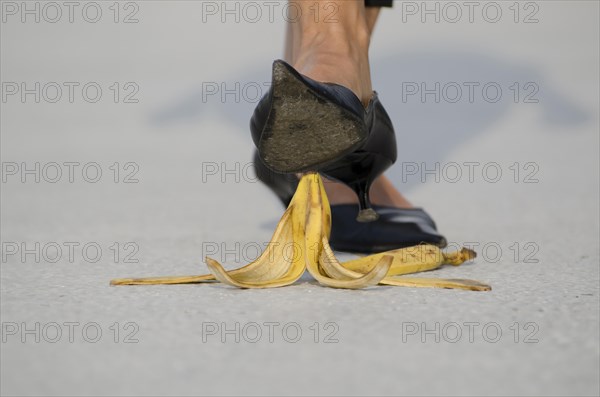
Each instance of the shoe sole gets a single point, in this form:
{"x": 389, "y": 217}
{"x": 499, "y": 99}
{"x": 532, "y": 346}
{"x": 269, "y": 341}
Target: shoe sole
{"x": 305, "y": 131}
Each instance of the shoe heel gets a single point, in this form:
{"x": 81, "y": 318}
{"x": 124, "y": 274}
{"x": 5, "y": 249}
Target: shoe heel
{"x": 358, "y": 171}
{"x": 365, "y": 212}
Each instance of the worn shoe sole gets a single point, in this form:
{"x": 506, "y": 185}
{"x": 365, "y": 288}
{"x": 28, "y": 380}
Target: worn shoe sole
{"x": 304, "y": 130}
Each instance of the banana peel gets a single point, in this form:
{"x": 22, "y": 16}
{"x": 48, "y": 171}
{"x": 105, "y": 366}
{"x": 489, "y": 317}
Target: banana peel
{"x": 305, "y": 227}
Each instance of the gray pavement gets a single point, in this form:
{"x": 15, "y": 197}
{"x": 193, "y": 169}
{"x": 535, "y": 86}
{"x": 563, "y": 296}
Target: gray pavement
{"x": 509, "y": 166}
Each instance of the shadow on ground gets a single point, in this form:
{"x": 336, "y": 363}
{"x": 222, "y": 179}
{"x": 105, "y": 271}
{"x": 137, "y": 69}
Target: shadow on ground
{"x": 473, "y": 92}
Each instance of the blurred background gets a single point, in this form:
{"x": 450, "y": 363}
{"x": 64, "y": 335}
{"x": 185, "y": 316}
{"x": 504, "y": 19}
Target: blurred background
{"x": 126, "y": 152}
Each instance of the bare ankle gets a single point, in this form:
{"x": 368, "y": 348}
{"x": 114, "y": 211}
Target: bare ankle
{"x": 335, "y": 60}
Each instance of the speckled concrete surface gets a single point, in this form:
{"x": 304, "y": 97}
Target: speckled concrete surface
{"x": 535, "y": 225}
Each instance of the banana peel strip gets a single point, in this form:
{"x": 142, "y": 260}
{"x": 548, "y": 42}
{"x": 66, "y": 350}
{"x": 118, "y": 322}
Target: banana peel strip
{"x": 313, "y": 237}
{"x": 337, "y": 270}
{"x": 305, "y": 227}
{"x": 253, "y": 268}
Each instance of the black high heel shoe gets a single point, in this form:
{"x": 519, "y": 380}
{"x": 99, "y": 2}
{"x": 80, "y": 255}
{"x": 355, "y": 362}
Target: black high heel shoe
{"x": 302, "y": 124}
{"x": 395, "y": 228}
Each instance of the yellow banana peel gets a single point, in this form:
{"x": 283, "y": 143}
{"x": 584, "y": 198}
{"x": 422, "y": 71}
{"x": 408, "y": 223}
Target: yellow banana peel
{"x": 305, "y": 227}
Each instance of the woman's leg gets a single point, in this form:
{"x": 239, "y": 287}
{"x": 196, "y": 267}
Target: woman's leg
{"x": 372, "y": 14}
{"x": 329, "y": 42}
{"x": 338, "y": 52}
